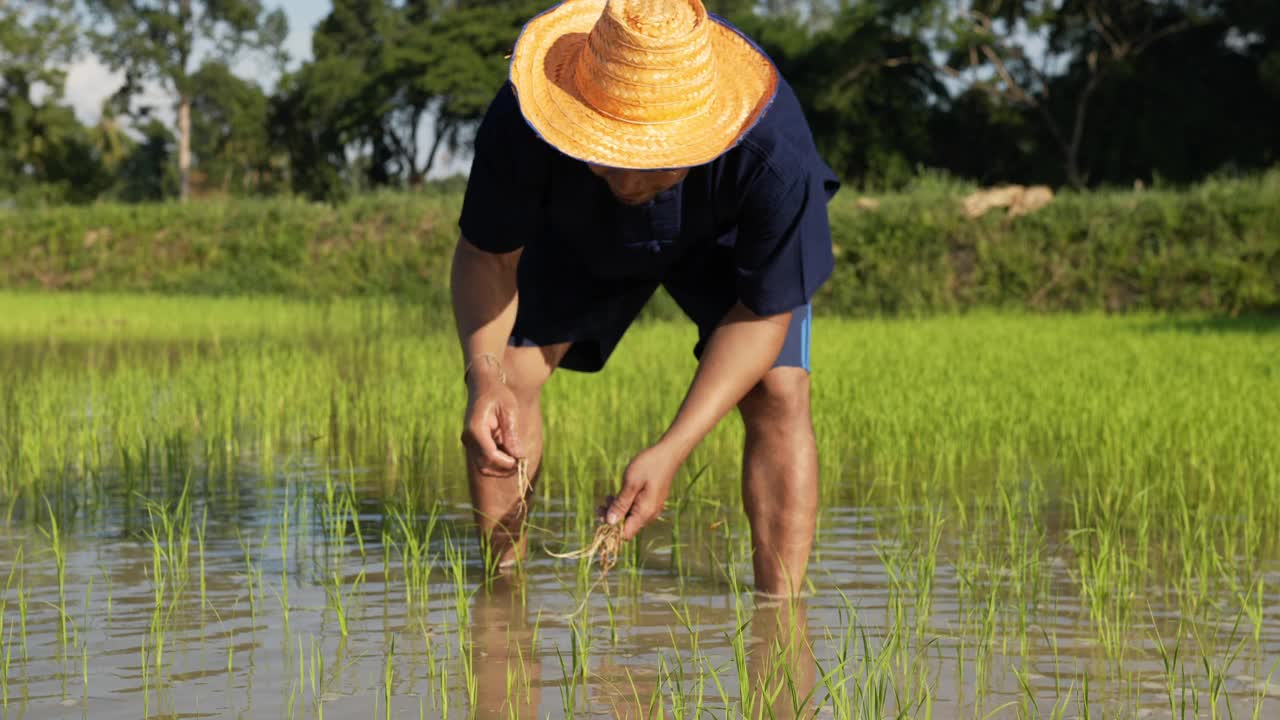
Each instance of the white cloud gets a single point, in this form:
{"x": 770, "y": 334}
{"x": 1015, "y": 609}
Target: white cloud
{"x": 89, "y": 82}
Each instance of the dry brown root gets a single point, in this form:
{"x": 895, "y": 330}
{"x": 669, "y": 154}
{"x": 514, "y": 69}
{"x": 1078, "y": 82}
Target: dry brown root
{"x": 604, "y": 546}
{"x": 524, "y": 484}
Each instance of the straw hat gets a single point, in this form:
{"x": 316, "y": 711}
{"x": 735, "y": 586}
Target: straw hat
{"x": 639, "y": 84}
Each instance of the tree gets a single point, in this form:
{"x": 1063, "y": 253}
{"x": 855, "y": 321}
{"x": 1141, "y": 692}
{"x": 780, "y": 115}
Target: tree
{"x": 1014, "y": 49}
{"x": 37, "y": 39}
{"x": 231, "y": 141}
{"x": 147, "y": 172}
{"x": 337, "y": 100}
{"x": 978, "y": 136}
{"x": 381, "y": 77}
{"x": 1257, "y": 24}
{"x": 312, "y": 131}
{"x": 451, "y": 66}
{"x": 157, "y": 41}
{"x": 45, "y": 153}
{"x": 864, "y": 81}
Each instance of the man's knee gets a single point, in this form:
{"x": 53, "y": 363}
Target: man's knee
{"x": 779, "y": 402}
{"x": 527, "y": 370}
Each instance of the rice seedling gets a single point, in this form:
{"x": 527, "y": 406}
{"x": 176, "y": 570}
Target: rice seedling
{"x": 340, "y": 603}
{"x": 60, "y": 564}
{"x": 145, "y": 666}
{"x": 316, "y": 678}
{"x": 6, "y": 628}
{"x": 415, "y": 558}
{"x": 6, "y": 663}
{"x": 456, "y": 562}
{"x": 283, "y": 535}
{"x": 603, "y": 547}
{"x": 568, "y": 688}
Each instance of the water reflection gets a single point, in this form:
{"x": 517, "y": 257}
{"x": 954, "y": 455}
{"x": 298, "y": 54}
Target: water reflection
{"x": 783, "y": 665}
{"x": 506, "y": 664}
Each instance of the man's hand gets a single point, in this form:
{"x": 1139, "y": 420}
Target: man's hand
{"x": 645, "y": 486}
{"x": 489, "y": 432}
{"x": 739, "y": 353}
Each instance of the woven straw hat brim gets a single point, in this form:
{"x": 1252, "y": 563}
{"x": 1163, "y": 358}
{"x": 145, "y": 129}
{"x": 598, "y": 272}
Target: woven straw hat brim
{"x": 543, "y": 66}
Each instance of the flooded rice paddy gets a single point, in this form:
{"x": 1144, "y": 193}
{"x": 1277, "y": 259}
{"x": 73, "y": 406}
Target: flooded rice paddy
{"x": 251, "y": 508}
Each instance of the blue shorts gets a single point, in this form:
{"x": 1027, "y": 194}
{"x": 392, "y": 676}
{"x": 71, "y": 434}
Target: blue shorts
{"x": 561, "y": 301}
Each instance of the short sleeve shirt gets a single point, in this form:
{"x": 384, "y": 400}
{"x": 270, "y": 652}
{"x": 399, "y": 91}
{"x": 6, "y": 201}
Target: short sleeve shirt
{"x": 766, "y": 198}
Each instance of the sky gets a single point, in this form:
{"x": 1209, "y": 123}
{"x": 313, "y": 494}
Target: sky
{"x": 89, "y": 82}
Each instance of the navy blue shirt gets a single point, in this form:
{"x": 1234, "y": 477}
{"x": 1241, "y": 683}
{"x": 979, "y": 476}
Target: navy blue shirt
{"x": 766, "y": 198}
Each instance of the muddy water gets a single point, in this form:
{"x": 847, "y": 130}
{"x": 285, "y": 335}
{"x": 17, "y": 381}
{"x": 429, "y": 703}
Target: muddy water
{"x": 253, "y": 628}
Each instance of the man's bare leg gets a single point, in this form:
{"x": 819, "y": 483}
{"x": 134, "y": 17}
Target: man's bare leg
{"x": 497, "y": 500}
{"x": 780, "y": 479}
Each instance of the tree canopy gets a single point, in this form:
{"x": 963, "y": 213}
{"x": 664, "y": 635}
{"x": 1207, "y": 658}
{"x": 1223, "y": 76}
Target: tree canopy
{"x": 1065, "y": 92}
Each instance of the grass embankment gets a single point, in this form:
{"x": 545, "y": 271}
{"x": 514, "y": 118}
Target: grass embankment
{"x": 1137, "y": 453}
{"x": 1214, "y": 248}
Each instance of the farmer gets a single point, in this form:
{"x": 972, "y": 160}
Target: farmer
{"x": 642, "y": 143}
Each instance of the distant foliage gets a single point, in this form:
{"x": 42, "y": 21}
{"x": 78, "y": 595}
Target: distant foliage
{"x": 1072, "y": 93}
{"x": 1214, "y": 248}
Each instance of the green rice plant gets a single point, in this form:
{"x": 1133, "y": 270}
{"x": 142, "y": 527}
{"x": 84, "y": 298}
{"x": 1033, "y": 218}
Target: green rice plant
{"x": 693, "y": 696}
{"x": 252, "y": 574}
{"x": 517, "y": 683}
{"x": 84, "y": 641}
{"x": 677, "y": 546}
{"x": 6, "y": 628}
{"x": 1171, "y": 667}
{"x": 340, "y": 603}
{"x": 1109, "y": 583}
{"x": 24, "y": 597}
{"x": 200, "y": 535}
{"x": 60, "y": 563}
{"x": 671, "y": 667}
{"x": 316, "y": 678}
{"x": 169, "y": 534}
{"x": 456, "y": 562}
{"x": 414, "y": 544}
{"x": 580, "y": 647}
{"x": 296, "y": 683}
{"x": 7, "y": 662}
{"x": 146, "y": 678}
{"x": 1262, "y": 686}
{"x": 388, "y": 677}
{"x": 1216, "y": 664}
{"x": 835, "y": 680}
{"x": 568, "y": 688}
{"x": 283, "y": 535}
{"x": 444, "y": 691}
{"x": 738, "y": 643}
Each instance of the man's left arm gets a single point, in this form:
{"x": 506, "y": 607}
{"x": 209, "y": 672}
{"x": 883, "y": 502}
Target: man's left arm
{"x": 782, "y": 254}
{"x": 738, "y": 354}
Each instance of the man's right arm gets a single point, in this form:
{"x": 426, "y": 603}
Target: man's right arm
{"x": 484, "y": 301}
{"x": 503, "y": 201}
{"x": 483, "y": 290}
